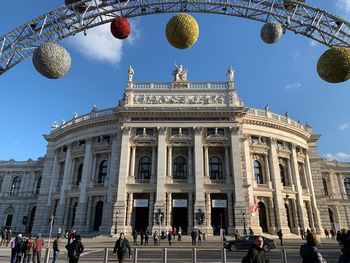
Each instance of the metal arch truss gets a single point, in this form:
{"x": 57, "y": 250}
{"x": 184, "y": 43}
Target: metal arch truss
{"x": 309, "y": 21}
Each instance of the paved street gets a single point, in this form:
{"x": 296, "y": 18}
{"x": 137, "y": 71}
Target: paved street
{"x": 182, "y": 252}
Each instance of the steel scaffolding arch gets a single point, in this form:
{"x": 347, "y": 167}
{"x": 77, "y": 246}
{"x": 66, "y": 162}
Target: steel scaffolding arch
{"x": 66, "y": 21}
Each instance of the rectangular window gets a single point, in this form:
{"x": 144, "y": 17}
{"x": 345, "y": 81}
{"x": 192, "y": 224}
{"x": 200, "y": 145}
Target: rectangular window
{"x": 148, "y": 131}
{"x": 177, "y": 131}
{"x": 218, "y": 131}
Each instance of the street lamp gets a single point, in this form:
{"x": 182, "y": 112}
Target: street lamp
{"x": 244, "y": 225}
{"x": 116, "y": 222}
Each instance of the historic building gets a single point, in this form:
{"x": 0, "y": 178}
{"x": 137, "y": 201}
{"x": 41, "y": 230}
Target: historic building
{"x": 180, "y": 153}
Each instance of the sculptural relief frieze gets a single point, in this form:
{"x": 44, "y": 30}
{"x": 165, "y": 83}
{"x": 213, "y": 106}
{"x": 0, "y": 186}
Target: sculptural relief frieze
{"x": 179, "y": 99}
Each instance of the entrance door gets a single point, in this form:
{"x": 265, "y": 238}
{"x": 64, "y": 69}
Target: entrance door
{"x": 179, "y": 215}
{"x": 9, "y": 220}
{"x": 98, "y": 215}
{"x": 262, "y": 217}
{"x": 218, "y": 219}
{"x": 141, "y": 218}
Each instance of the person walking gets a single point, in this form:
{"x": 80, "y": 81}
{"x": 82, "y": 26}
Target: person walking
{"x": 179, "y": 233}
{"x": 3, "y": 236}
{"x": 121, "y": 247}
{"x": 170, "y": 237}
{"x": 280, "y": 236}
{"x": 134, "y": 237}
{"x": 38, "y": 246}
{"x": 56, "y": 248}
{"x": 256, "y": 253}
{"x": 74, "y": 249}
{"x": 28, "y": 250}
{"x": 142, "y": 236}
{"x": 194, "y": 237}
{"x": 146, "y": 238}
{"x": 200, "y": 235}
{"x": 326, "y": 232}
{"x": 309, "y": 252}
{"x": 8, "y": 236}
{"x": 345, "y": 248}
{"x": 16, "y": 249}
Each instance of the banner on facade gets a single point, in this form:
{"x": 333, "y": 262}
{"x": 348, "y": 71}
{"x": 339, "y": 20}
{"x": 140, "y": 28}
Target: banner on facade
{"x": 179, "y": 202}
{"x": 140, "y": 202}
{"x": 219, "y": 203}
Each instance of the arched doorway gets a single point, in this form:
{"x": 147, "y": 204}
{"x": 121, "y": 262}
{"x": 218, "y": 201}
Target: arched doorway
{"x": 73, "y": 211}
{"x": 98, "y": 215}
{"x": 331, "y": 217}
{"x": 262, "y": 217}
{"x": 31, "y": 220}
{"x": 289, "y": 216}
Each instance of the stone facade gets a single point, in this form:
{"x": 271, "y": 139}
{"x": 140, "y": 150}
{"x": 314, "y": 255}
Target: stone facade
{"x": 177, "y": 154}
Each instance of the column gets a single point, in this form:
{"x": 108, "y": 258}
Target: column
{"x": 60, "y": 215}
{"x": 161, "y": 171}
{"x": 199, "y": 178}
{"x": 315, "y": 211}
{"x": 129, "y": 210}
{"x": 88, "y": 215}
{"x": 190, "y": 212}
{"x": 206, "y": 161}
{"x": 189, "y": 167}
{"x": 341, "y": 185}
{"x": 227, "y": 165}
{"x": 168, "y": 209}
{"x": 267, "y": 171}
{"x": 290, "y": 175}
{"x": 298, "y": 187}
{"x": 150, "y": 210}
{"x": 272, "y": 215}
{"x": 170, "y": 160}
{"x": 230, "y": 214}
{"x": 281, "y": 217}
{"x": 82, "y": 205}
{"x": 132, "y": 162}
{"x": 154, "y": 160}
{"x": 208, "y": 204}
{"x": 332, "y": 192}
{"x": 93, "y": 179}
{"x": 53, "y": 178}
{"x": 120, "y": 204}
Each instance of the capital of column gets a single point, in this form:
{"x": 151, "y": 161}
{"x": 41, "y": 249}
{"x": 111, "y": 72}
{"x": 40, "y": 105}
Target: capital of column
{"x": 161, "y": 130}
{"x": 126, "y": 130}
{"x": 234, "y": 130}
{"x": 198, "y": 130}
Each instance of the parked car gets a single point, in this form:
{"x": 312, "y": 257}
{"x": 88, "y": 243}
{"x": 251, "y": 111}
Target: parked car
{"x": 245, "y": 242}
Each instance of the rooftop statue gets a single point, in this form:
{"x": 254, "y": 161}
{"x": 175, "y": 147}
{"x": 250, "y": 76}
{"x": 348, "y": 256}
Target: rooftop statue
{"x": 130, "y": 74}
{"x": 179, "y": 73}
{"x": 230, "y": 73}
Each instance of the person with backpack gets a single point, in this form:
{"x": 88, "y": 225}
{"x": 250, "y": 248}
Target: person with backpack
{"x": 74, "y": 249}
{"x": 16, "y": 246}
{"x": 256, "y": 253}
{"x": 27, "y": 249}
{"x": 121, "y": 247}
{"x": 38, "y": 246}
{"x": 280, "y": 236}
{"x": 56, "y": 248}
{"x": 309, "y": 252}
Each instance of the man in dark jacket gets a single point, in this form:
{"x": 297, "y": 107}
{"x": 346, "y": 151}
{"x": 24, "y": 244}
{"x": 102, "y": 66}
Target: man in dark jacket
{"x": 256, "y": 253}
{"x": 309, "y": 252}
{"x": 345, "y": 257}
{"x": 121, "y": 247}
{"x": 74, "y": 249}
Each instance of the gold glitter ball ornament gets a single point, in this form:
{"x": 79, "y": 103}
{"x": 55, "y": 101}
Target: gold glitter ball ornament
{"x": 182, "y": 31}
{"x": 334, "y": 65}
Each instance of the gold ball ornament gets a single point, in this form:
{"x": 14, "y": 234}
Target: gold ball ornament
{"x": 334, "y": 65}
{"x": 182, "y": 31}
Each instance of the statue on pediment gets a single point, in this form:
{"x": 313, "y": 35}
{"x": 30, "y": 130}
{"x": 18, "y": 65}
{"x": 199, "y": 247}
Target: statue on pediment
{"x": 130, "y": 74}
{"x": 179, "y": 73}
{"x": 230, "y": 73}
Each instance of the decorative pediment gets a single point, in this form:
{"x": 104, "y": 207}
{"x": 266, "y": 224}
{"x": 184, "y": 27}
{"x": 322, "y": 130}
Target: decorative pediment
{"x": 283, "y": 152}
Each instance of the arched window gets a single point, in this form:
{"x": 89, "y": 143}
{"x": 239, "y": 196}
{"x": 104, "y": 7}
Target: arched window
{"x": 347, "y": 185}
{"x": 79, "y": 175}
{"x": 102, "y": 174}
{"x": 180, "y": 168}
{"x": 215, "y": 168}
{"x": 38, "y": 185}
{"x": 16, "y": 184}
{"x": 258, "y": 172}
{"x": 302, "y": 175}
{"x": 283, "y": 175}
{"x": 1, "y": 179}
{"x": 325, "y": 187}
{"x": 145, "y": 168}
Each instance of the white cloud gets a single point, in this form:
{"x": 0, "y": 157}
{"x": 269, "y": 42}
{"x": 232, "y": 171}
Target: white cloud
{"x": 340, "y": 156}
{"x": 343, "y": 126}
{"x": 100, "y": 45}
{"x": 313, "y": 43}
{"x": 343, "y": 5}
{"x": 295, "y": 54}
{"x": 293, "y": 86}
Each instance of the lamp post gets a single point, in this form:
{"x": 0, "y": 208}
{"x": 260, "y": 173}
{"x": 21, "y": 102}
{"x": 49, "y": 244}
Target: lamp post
{"x": 116, "y": 222}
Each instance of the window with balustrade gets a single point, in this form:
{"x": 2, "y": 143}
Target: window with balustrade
{"x": 258, "y": 174}
{"x": 16, "y": 184}
{"x": 215, "y": 168}
{"x": 102, "y": 172}
{"x": 347, "y": 186}
{"x": 145, "y": 168}
{"x": 38, "y": 185}
{"x": 179, "y": 131}
{"x": 283, "y": 173}
{"x": 217, "y": 131}
{"x": 180, "y": 168}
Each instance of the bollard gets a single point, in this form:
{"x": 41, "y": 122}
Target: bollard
{"x": 47, "y": 255}
{"x": 105, "y": 255}
{"x": 223, "y": 255}
{"x": 165, "y": 255}
{"x": 135, "y": 256}
{"x": 284, "y": 255}
{"x": 194, "y": 255}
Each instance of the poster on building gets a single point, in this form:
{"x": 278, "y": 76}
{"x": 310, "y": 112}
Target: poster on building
{"x": 179, "y": 202}
{"x": 219, "y": 203}
{"x": 140, "y": 202}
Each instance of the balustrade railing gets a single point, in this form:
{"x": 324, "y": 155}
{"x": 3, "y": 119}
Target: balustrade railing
{"x": 20, "y": 194}
{"x": 169, "y": 85}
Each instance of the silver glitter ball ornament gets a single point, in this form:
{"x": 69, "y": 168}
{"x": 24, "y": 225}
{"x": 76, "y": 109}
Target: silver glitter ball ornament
{"x": 271, "y": 32}
{"x": 51, "y": 60}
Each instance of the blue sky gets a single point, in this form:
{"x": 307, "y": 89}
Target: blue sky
{"x": 282, "y": 75}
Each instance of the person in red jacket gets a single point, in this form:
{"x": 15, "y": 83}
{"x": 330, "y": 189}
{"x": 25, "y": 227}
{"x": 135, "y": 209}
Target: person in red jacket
{"x": 38, "y": 247}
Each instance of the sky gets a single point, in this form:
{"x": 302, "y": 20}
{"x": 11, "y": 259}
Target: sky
{"x": 282, "y": 75}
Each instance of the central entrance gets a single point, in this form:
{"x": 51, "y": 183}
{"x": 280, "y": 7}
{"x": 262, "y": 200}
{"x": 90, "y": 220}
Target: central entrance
{"x": 141, "y": 212}
{"x": 218, "y": 213}
{"x": 180, "y": 212}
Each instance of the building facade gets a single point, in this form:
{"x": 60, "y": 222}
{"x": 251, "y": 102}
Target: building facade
{"x": 179, "y": 153}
